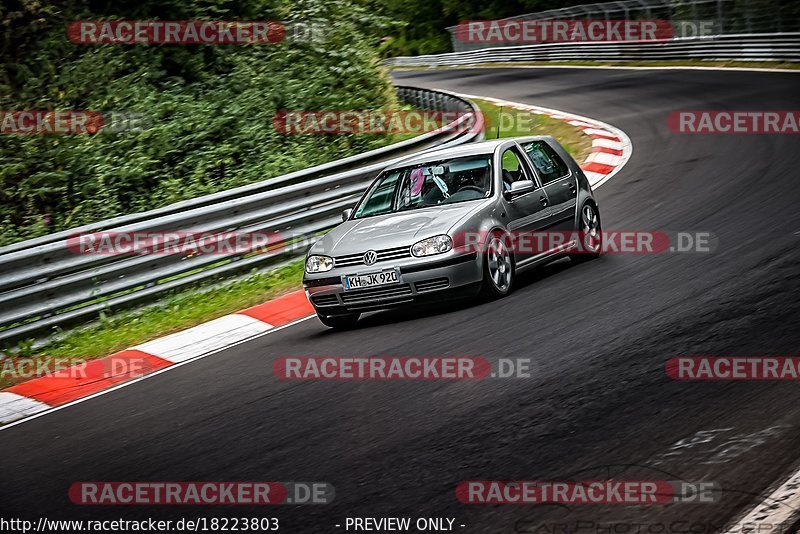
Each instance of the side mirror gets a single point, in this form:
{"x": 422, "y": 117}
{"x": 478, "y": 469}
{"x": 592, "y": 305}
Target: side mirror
{"x": 346, "y": 214}
{"x": 519, "y": 187}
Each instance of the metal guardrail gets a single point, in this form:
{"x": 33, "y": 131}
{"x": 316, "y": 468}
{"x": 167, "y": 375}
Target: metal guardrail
{"x": 44, "y": 283}
{"x": 721, "y": 17}
{"x": 750, "y": 47}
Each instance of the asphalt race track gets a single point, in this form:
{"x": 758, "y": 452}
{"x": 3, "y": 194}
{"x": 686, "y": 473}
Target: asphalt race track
{"x": 598, "y": 403}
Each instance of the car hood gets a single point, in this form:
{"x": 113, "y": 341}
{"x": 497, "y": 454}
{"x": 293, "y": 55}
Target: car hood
{"x": 391, "y": 230}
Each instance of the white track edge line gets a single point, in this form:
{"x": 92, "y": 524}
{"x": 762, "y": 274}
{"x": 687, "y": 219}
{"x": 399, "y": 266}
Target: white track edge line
{"x": 783, "y": 503}
{"x": 627, "y": 150}
{"x": 781, "y": 506}
{"x": 755, "y": 513}
{"x": 150, "y": 375}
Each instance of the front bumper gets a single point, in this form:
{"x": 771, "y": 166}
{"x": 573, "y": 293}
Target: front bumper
{"x": 430, "y": 278}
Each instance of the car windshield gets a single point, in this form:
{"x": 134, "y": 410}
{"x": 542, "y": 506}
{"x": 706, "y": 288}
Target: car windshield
{"x": 430, "y": 184}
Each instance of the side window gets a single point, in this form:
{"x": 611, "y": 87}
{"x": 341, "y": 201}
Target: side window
{"x": 512, "y": 169}
{"x": 548, "y": 163}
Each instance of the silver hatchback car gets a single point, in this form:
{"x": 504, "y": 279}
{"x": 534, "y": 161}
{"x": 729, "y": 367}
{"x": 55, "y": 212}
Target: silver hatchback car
{"x": 463, "y": 220}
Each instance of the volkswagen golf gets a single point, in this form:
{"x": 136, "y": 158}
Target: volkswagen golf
{"x": 465, "y": 219}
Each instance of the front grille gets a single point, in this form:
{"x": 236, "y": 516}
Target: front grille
{"x": 383, "y": 255}
{"x": 325, "y": 300}
{"x": 378, "y": 293}
{"x": 432, "y": 285}
{"x": 322, "y": 282}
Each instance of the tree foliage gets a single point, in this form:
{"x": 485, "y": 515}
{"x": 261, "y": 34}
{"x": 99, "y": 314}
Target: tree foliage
{"x": 208, "y": 108}
{"x": 420, "y": 24}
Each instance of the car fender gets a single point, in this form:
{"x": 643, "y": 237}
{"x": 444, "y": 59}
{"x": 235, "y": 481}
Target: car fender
{"x": 482, "y": 230}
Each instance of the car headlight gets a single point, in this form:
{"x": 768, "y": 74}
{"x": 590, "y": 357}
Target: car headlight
{"x": 438, "y": 244}
{"x": 319, "y": 264}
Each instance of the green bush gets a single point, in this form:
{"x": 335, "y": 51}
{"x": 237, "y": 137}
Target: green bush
{"x": 209, "y": 108}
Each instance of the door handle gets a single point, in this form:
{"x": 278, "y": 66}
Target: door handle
{"x": 571, "y": 186}
{"x": 543, "y": 200}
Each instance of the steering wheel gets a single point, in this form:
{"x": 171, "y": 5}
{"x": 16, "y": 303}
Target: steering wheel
{"x": 475, "y": 188}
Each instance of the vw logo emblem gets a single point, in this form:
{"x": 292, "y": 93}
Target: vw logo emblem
{"x": 370, "y": 257}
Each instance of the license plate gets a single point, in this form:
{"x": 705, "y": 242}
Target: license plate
{"x": 370, "y": 280}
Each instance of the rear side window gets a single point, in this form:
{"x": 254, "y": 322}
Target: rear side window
{"x": 548, "y": 163}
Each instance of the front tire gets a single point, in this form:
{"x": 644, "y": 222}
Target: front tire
{"x": 498, "y": 268}
{"x": 339, "y": 322}
{"x": 590, "y": 233}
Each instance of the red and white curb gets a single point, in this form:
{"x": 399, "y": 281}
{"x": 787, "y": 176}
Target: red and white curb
{"x": 44, "y": 393}
{"x": 611, "y": 148}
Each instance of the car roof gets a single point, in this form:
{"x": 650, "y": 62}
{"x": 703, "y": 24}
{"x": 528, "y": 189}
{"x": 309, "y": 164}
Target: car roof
{"x": 469, "y": 149}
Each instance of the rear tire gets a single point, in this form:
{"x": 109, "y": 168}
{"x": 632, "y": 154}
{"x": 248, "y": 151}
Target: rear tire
{"x": 498, "y": 268}
{"x": 591, "y": 234}
{"x": 339, "y": 322}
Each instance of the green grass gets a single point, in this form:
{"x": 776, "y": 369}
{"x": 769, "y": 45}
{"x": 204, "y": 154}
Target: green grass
{"x": 181, "y": 310}
{"x": 518, "y": 123}
{"x": 187, "y": 308}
